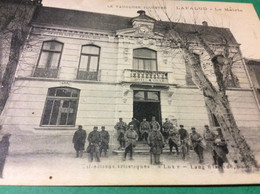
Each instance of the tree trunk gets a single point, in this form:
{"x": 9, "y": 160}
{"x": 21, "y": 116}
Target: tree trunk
{"x": 17, "y": 41}
{"x": 218, "y": 104}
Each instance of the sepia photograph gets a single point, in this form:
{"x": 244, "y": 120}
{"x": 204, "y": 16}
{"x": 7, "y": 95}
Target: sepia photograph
{"x": 136, "y": 92}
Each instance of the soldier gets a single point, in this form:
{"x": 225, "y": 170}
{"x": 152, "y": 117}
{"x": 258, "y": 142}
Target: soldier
{"x": 104, "y": 140}
{"x": 184, "y": 138}
{"x": 121, "y": 128}
{"x": 78, "y": 140}
{"x": 136, "y": 124}
{"x": 167, "y": 126}
{"x": 155, "y": 141}
{"x": 196, "y": 140}
{"x": 220, "y": 150}
{"x": 174, "y": 140}
{"x": 209, "y": 136}
{"x": 130, "y": 137}
{"x": 154, "y": 124}
{"x": 144, "y": 129}
{"x": 4, "y": 147}
{"x": 94, "y": 140}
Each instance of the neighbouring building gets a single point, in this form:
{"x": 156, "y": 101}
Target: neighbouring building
{"x": 84, "y": 68}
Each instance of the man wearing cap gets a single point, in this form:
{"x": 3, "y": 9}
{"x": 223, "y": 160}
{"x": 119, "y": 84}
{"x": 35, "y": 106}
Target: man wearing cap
{"x": 121, "y": 128}
{"x": 196, "y": 141}
{"x": 104, "y": 135}
{"x": 144, "y": 129}
{"x": 209, "y": 136}
{"x": 174, "y": 140}
{"x": 166, "y": 127}
{"x": 130, "y": 137}
{"x": 220, "y": 150}
{"x": 154, "y": 124}
{"x": 4, "y": 147}
{"x": 78, "y": 140}
{"x": 94, "y": 140}
{"x": 184, "y": 138}
{"x": 136, "y": 124}
{"x": 156, "y": 143}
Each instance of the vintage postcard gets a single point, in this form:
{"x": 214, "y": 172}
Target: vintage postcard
{"x": 136, "y": 92}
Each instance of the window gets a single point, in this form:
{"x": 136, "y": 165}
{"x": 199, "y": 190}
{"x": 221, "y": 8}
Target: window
{"x": 49, "y": 60}
{"x": 60, "y": 107}
{"x": 145, "y": 59}
{"x": 89, "y": 62}
{"x": 151, "y": 96}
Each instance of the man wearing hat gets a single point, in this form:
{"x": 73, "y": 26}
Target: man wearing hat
{"x": 184, "y": 137}
{"x": 4, "y": 147}
{"x": 94, "y": 140}
{"x": 154, "y": 124}
{"x": 166, "y": 127}
{"x": 104, "y": 135}
{"x": 78, "y": 140}
{"x": 209, "y": 136}
{"x": 121, "y": 127}
{"x": 156, "y": 143}
{"x": 144, "y": 129}
{"x": 130, "y": 137}
{"x": 196, "y": 141}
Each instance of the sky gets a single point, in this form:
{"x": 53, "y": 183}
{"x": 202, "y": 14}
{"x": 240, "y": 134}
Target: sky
{"x": 240, "y": 18}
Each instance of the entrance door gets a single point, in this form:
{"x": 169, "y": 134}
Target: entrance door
{"x": 146, "y": 105}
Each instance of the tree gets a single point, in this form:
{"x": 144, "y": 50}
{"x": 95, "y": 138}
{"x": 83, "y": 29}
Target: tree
{"x": 215, "y": 96}
{"x": 15, "y": 17}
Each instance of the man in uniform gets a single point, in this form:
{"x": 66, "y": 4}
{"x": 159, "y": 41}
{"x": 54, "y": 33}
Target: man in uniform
{"x": 94, "y": 140}
{"x": 121, "y": 128}
{"x": 166, "y": 127}
{"x": 130, "y": 137}
{"x": 135, "y": 123}
{"x": 104, "y": 140}
{"x": 209, "y": 136}
{"x": 78, "y": 140}
{"x": 196, "y": 141}
{"x": 156, "y": 143}
{"x": 144, "y": 129}
{"x": 4, "y": 147}
{"x": 174, "y": 140}
{"x": 184, "y": 138}
{"x": 154, "y": 124}
{"x": 220, "y": 150}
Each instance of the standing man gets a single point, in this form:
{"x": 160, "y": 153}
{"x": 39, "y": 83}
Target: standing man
{"x": 155, "y": 141}
{"x": 130, "y": 137}
{"x": 78, "y": 140}
{"x": 4, "y": 148}
{"x": 220, "y": 150}
{"x": 144, "y": 129}
{"x": 209, "y": 136}
{"x": 184, "y": 138}
{"x": 104, "y": 135}
{"x": 154, "y": 124}
{"x": 196, "y": 140}
{"x": 173, "y": 140}
{"x": 166, "y": 127}
{"x": 94, "y": 140}
{"x": 121, "y": 128}
{"x": 135, "y": 123}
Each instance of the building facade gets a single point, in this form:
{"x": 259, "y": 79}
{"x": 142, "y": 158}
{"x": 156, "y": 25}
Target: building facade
{"x": 83, "y": 68}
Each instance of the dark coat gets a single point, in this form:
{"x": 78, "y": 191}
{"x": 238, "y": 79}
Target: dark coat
{"x": 79, "y": 139}
{"x": 155, "y": 140}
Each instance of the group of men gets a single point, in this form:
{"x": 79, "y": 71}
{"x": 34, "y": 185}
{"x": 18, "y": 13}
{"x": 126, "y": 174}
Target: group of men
{"x": 156, "y": 137}
{"x": 98, "y": 142}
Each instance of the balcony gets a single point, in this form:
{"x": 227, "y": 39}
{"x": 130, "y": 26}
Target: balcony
{"x": 143, "y": 76}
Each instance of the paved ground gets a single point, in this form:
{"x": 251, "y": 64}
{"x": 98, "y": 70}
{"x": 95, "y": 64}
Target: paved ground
{"x": 60, "y": 169}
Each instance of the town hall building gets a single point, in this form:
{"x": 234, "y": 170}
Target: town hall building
{"x": 90, "y": 69}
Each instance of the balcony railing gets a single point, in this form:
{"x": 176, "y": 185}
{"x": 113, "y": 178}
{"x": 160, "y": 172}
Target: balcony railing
{"x": 47, "y": 73}
{"x": 161, "y": 77}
